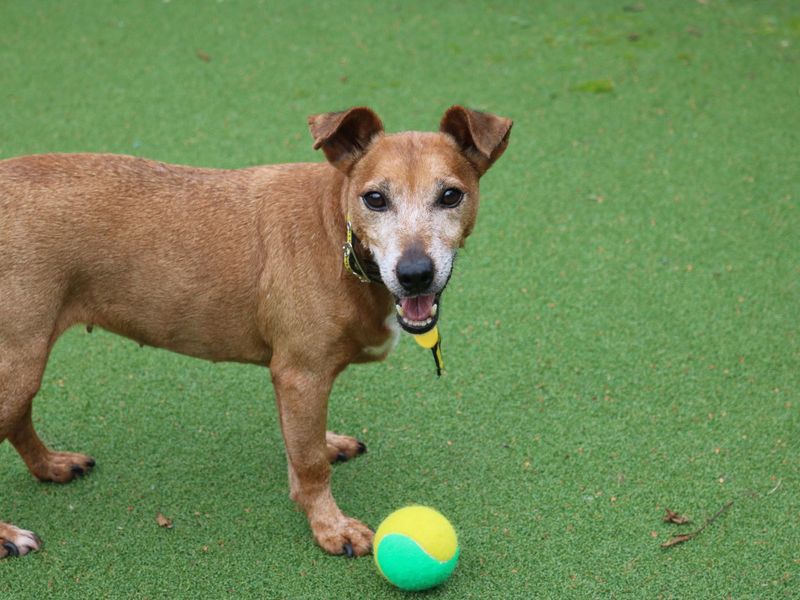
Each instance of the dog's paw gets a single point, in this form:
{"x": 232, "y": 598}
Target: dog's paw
{"x": 341, "y": 448}
{"x": 17, "y": 542}
{"x": 62, "y": 467}
{"x": 347, "y": 537}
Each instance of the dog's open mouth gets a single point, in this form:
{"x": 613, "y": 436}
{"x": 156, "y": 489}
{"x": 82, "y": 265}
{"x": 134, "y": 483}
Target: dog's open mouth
{"x": 417, "y": 314}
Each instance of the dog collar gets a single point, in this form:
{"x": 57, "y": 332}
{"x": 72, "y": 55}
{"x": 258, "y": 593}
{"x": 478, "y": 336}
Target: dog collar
{"x": 366, "y": 270}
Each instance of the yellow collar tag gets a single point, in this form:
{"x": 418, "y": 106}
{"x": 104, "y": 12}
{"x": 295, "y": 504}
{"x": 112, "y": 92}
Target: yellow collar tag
{"x": 433, "y": 341}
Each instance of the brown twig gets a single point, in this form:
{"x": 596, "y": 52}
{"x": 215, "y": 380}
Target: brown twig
{"x": 679, "y": 539}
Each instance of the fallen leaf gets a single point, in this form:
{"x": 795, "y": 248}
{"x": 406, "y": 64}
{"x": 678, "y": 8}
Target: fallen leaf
{"x": 163, "y": 521}
{"x": 673, "y": 517}
{"x": 678, "y": 539}
{"x": 203, "y": 55}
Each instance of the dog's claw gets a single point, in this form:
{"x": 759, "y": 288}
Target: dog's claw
{"x": 12, "y": 549}
{"x": 77, "y": 470}
{"x": 341, "y": 457}
{"x": 347, "y": 550}
{"x": 91, "y": 463}
{"x": 362, "y": 448}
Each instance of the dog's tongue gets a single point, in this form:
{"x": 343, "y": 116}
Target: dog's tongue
{"x": 417, "y": 308}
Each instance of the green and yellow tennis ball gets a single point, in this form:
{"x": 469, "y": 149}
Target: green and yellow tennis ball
{"x": 416, "y": 548}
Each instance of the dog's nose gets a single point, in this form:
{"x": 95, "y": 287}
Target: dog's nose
{"x": 415, "y": 271}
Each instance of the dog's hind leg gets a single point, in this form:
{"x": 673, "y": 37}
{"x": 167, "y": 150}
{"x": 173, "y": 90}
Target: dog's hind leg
{"x": 46, "y": 464}
{"x": 21, "y": 369}
{"x": 18, "y": 384}
{"x": 17, "y": 542}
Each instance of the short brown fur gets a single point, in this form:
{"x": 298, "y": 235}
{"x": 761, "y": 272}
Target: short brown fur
{"x": 227, "y": 265}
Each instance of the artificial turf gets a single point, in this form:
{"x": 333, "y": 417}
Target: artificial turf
{"x": 621, "y": 333}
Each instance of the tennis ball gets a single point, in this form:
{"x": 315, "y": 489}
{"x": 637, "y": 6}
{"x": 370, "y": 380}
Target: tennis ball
{"x": 416, "y": 548}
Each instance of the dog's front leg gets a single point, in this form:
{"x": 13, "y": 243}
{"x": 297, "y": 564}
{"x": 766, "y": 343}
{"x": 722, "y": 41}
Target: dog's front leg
{"x": 302, "y": 397}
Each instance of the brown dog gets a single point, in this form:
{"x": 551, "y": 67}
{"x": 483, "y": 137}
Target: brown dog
{"x": 239, "y": 265}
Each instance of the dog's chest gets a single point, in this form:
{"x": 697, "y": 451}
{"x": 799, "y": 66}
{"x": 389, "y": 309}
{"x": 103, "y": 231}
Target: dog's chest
{"x": 383, "y": 349}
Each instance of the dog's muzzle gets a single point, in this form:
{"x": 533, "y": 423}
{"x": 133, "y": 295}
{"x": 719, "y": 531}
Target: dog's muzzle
{"x": 418, "y": 314}
{"x": 417, "y": 308}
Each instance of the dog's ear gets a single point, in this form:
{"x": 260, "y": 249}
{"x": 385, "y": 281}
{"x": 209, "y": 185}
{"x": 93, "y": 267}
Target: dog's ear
{"x": 344, "y": 136}
{"x": 482, "y": 137}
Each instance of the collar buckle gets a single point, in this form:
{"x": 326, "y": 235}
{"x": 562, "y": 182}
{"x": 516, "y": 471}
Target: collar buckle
{"x": 351, "y": 263}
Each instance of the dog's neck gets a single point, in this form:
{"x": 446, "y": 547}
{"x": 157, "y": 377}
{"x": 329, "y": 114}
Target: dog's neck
{"x": 358, "y": 260}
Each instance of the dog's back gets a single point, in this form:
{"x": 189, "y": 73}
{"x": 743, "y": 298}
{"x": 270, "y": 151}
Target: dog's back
{"x": 168, "y": 255}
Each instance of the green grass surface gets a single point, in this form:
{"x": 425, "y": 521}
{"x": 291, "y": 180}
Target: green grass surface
{"x": 621, "y": 333}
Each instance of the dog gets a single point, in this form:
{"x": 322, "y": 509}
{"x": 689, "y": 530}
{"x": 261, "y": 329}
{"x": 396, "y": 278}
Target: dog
{"x": 242, "y": 265}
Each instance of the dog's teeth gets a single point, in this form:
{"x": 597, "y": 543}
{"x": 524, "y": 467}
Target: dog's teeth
{"x": 399, "y": 309}
{"x": 424, "y": 323}
{"x": 434, "y": 310}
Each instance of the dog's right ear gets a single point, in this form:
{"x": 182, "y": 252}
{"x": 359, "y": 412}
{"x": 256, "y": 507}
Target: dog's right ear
{"x": 344, "y": 136}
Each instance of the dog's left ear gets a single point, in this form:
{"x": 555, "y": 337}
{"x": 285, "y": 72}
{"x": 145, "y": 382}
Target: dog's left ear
{"x": 483, "y": 137}
{"x": 344, "y": 136}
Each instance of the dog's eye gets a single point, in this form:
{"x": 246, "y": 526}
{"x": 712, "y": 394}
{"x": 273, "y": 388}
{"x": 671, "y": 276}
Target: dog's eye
{"x": 451, "y": 198}
{"x": 374, "y": 201}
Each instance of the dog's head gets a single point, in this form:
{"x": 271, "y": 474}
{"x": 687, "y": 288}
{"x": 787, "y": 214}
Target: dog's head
{"x": 412, "y": 197}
